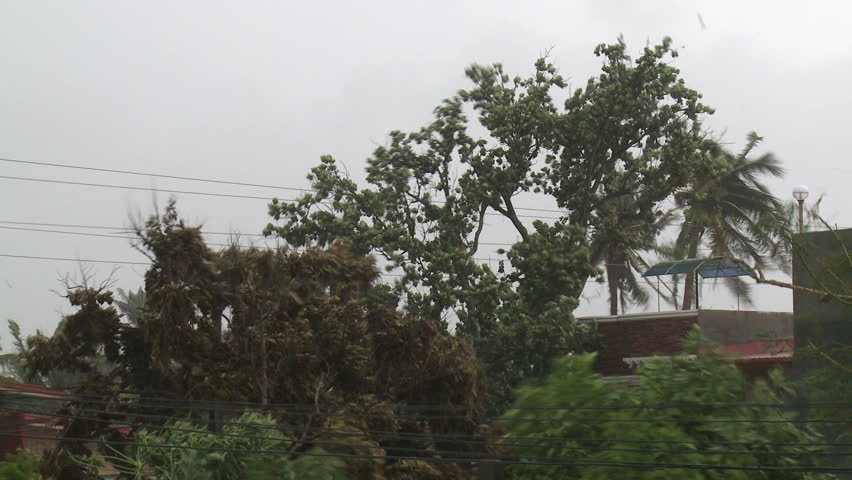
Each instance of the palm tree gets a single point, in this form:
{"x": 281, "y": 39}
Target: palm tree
{"x": 622, "y": 233}
{"x": 731, "y": 212}
{"x": 11, "y": 365}
{"x": 131, "y": 304}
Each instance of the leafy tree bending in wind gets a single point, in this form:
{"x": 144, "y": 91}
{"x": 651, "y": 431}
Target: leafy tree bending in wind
{"x": 714, "y": 413}
{"x": 265, "y": 326}
{"x": 634, "y": 128}
{"x": 732, "y": 212}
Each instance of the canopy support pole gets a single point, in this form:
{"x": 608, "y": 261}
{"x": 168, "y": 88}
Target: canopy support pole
{"x": 658, "y": 293}
{"x": 696, "y": 290}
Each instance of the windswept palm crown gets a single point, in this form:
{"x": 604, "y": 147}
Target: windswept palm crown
{"x": 622, "y": 233}
{"x": 731, "y": 211}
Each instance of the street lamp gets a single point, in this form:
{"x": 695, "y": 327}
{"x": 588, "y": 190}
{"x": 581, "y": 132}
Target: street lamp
{"x": 800, "y": 193}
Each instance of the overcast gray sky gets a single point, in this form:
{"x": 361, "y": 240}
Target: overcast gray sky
{"x": 257, "y": 91}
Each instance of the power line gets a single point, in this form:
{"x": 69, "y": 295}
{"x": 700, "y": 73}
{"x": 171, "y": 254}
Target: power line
{"x": 188, "y": 192}
{"x": 367, "y": 435}
{"x": 87, "y": 234}
{"x": 206, "y": 232}
{"x": 83, "y": 260}
{"x": 382, "y": 434}
{"x": 104, "y": 235}
{"x": 128, "y": 262}
{"x": 116, "y": 229}
{"x": 216, "y": 181}
{"x": 164, "y": 402}
{"x": 208, "y": 180}
{"x": 159, "y": 175}
{"x": 563, "y": 419}
{"x": 476, "y": 455}
{"x": 260, "y": 437}
{"x": 129, "y": 230}
{"x": 565, "y": 462}
{"x": 446, "y": 437}
{"x": 144, "y": 189}
{"x": 121, "y": 262}
{"x": 123, "y": 237}
{"x": 115, "y": 262}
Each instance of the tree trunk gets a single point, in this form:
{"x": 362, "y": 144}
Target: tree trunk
{"x": 509, "y": 212}
{"x": 689, "y": 284}
{"x": 217, "y": 325}
{"x": 613, "y": 277}
{"x": 264, "y": 378}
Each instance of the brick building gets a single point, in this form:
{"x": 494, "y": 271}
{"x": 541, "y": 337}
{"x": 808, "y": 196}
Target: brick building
{"x": 16, "y": 426}
{"x": 757, "y": 341}
{"x": 20, "y": 428}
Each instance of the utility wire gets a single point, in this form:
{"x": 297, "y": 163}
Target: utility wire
{"x": 206, "y": 232}
{"x": 143, "y": 189}
{"x": 567, "y": 462}
{"x": 188, "y": 192}
{"x": 87, "y": 234}
{"x": 551, "y": 420}
{"x": 312, "y": 442}
{"x": 379, "y": 438}
{"x": 128, "y": 262}
{"x": 114, "y": 262}
{"x": 129, "y": 230}
{"x": 116, "y": 229}
{"x": 81, "y": 260}
{"x": 446, "y": 438}
{"x": 226, "y": 245}
{"x": 329, "y": 413}
{"x": 208, "y": 180}
{"x": 188, "y": 403}
{"x": 332, "y": 411}
{"x": 216, "y": 181}
{"x": 105, "y": 235}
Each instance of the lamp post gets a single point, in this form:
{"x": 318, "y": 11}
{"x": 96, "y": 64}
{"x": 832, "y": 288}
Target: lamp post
{"x": 800, "y": 193}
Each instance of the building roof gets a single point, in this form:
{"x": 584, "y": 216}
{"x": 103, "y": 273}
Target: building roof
{"x": 781, "y": 348}
{"x": 36, "y": 390}
{"x": 706, "y": 267}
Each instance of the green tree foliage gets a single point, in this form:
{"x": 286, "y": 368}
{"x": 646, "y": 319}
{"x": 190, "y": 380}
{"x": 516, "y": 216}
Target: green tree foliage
{"x": 11, "y": 364}
{"x": 205, "y": 456}
{"x": 732, "y": 212}
{"x": 131, "y": 304}
{"x": 264, "y": 326}
{"x": 14, "y": 366}
{"x": 633, "y": 129}
{"x": 21, "y": 465}
{"x": 707, "y": 388}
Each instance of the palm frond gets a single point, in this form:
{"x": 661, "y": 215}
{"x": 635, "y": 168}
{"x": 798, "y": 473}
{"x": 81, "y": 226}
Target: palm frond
{"x": 739, "y": 288}
{"x": 636, "y": 294}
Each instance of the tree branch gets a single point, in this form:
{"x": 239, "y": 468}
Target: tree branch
{"x": 509, "y": 212}
{"x": 833, "y": 361}
{"x": 757, "y": 274}
{"x": 475, "y": 246}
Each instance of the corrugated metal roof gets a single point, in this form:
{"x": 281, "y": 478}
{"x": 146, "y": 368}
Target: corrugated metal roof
{"x": 28, "y": 388}
{"x": 706, "y": 267}
{"x": 781, "y": 348}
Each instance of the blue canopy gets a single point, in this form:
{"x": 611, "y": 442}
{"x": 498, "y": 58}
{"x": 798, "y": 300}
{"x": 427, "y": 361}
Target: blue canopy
{"x": 706, "y": 267}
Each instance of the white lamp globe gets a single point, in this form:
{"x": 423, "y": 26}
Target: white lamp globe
{"x": 800, "y": 192}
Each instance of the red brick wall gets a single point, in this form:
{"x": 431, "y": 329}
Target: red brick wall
{"x": 11, "y": 427}
{"x": 639, "y": 338}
